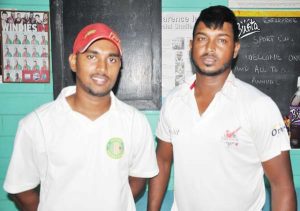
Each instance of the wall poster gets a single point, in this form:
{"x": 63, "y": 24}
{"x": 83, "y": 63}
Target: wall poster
{"x": 177, "y": 30}
{"x": 24, "y": 46}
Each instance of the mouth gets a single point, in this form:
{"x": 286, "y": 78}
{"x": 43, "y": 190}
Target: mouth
{"x": 209, "y": 60}
{"x": 100, "y": 79}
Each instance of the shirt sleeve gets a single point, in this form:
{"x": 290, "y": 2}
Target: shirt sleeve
{"x": 22, "y": 173}
{"x": 143, "y": 163}
{"x": 269, "y": 131}
{"x": 162, "y": 130}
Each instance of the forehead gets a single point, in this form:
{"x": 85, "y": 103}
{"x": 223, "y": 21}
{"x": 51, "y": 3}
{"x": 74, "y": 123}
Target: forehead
{"x": 226, "y": 28}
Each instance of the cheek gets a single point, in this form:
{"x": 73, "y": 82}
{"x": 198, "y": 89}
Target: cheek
{"x": 228, "y": 54}
{"x": 195, "y": 52}
{"x": 114, "y": 72}
{"x": 85, "y": 66}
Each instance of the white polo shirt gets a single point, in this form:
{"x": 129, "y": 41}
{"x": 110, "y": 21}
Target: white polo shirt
{"x": 81, "y": 164}
{"x": 218, "y": 154}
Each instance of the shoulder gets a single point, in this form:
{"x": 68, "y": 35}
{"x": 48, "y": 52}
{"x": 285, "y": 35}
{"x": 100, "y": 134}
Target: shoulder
{"x": 177, "y": 94}
{"x": 253, "y": 98}
{"x": 50, "y": 110}
{"x": 127, "y": 112}
{"x": 33, "y": 120}
{"x": 248, "y": 92}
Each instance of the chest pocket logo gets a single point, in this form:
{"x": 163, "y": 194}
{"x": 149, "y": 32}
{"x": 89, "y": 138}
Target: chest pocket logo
{"x": 115, "y": 148}
{"x": 230, "y": 137}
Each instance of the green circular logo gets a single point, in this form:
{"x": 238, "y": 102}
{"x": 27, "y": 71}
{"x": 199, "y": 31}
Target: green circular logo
{"x": 115, "y": 148}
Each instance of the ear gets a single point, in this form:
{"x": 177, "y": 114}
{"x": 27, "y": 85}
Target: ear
{"x": 72, "y": 62}
{"x": 237, "y": 46}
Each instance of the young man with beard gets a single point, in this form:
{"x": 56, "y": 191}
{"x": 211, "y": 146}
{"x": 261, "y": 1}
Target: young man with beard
{"x": 218, "y": 130}
{"x": 87, "y": 150}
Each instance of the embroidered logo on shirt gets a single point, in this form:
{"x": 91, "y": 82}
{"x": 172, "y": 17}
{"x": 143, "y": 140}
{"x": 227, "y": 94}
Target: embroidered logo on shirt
{"x": 230, "y": 137}
{"x": 115, "y": 148}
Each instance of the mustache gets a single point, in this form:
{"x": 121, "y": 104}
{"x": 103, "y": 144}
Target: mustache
{"x": 219, "y": 71}
{"x": 210, "y": 54}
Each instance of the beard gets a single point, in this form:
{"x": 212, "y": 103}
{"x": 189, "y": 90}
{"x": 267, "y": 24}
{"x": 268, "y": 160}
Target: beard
{"x": 211, "y": 73}
{"x": 97, "y": 94}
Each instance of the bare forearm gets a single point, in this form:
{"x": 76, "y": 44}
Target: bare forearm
{"x": 137, "y": 186}
{"x": 283, "y": 199}
{"x": 158, "y": 184}
{"x": 27, "y": 201}
{"x": 279, "y": 172}
{"x": 157, "y": 189}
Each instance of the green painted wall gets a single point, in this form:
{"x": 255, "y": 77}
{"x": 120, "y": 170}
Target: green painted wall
{"x": 16, "y": 100}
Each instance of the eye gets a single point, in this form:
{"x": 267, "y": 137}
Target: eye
{"x": 201, "y": 39}
{"x": 113, "y": 59}
{"x": 222, "y": 41}
{"x": 90, "y": 56}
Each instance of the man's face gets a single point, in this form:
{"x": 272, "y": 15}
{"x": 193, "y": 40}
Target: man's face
{"x": 4, "y": 16}
{"x": 37, "y": 17}
{"x": 97, "y": 68}
{"x": 213, "y": 49}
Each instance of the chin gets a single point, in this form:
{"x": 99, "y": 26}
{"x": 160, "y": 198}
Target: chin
{"x": 100, "y": 94}
{"x": 97, "y": 93}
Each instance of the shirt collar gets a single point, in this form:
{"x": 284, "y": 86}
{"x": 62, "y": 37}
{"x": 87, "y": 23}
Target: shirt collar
{"x": 228, "y": 88}
{"x": 67, "y": 91}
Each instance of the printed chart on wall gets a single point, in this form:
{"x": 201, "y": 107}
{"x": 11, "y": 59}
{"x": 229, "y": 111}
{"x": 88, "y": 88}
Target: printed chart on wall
{"x": 177, "y": 30}
{"x": 25, "y": 49}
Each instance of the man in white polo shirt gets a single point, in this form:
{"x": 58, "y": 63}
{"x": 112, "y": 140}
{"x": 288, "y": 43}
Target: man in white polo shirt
{"x": 87, "y": 150}
{"x": 222, "y": 133}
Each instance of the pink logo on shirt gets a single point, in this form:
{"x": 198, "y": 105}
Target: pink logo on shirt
{"x": 230, "y": 137}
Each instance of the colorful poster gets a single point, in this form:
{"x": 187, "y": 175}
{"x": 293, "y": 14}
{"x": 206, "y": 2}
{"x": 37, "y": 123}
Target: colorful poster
{"x": 25, "y": 46}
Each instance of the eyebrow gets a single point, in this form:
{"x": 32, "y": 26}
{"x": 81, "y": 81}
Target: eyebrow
{"x": 202, "y": 33}
{"x": 96, "y": 52}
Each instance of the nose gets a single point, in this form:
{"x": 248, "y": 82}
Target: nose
{"x": 101, "y": 65}
{"x": 211, "y": 46}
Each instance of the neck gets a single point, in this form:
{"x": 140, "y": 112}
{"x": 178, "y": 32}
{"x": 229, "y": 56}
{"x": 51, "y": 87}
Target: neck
{"x": 209, "y": 85}
{"x": 206, "y": 88}
{"x": 90, "y": 106}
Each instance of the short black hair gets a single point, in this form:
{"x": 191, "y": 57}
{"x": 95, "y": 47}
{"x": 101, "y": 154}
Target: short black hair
{"x": 215, "y": 16}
